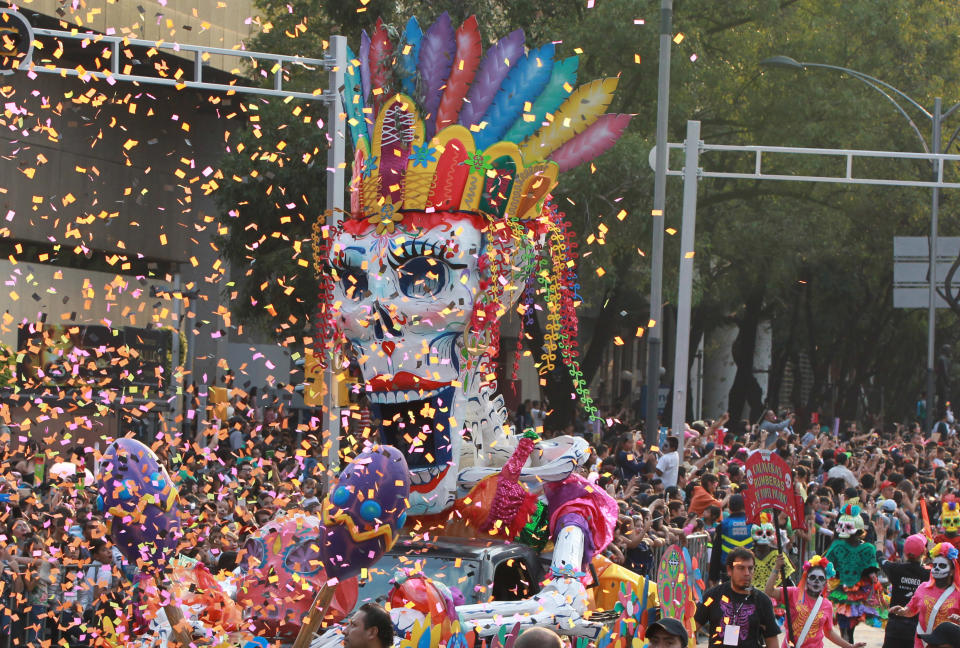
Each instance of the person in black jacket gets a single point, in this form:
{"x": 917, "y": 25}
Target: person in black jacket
{"x": 905, "y": 577}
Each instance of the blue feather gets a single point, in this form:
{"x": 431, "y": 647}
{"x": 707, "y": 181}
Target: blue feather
{"x": 563, "y": 76}
{"x": 412, "y": 36}
{"x": 353, "y": 98}
{"x": 525, "y": 82}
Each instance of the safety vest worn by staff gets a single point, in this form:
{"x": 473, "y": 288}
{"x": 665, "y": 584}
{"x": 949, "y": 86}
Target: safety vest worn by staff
{"x": 734, "y": 533}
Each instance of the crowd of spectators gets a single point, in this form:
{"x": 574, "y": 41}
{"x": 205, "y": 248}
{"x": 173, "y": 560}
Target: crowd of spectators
{"x": 58, "y": 571}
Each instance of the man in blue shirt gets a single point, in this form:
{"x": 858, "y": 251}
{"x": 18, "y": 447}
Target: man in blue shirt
{"x": 733, "y": 533}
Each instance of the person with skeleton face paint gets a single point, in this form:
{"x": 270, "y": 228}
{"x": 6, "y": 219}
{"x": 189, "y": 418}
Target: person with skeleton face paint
{"x": 812, "y": 611}
{"x": 764, "y": 542}
{"x": 939, "y": 598}
{"x": 855, "y": 593}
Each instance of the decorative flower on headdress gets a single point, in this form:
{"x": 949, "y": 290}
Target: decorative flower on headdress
{"x": 944, "y": 549}
{"x": 822, "y": 563}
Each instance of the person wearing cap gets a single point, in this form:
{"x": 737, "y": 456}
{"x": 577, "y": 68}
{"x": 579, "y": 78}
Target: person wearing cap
{"x": 937, "y": 600}
{"x": 945, "y": 635}
{"x": 667, "y": 633}
{"x": 905, "y": 577}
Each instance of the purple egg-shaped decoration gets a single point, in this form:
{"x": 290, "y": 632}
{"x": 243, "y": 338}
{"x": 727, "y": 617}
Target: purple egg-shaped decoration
{"x": 140, "y": 504}
{"x": 365, "y": 511}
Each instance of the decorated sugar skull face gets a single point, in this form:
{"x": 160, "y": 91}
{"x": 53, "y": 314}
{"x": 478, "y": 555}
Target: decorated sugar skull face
{"x": 950, "y": 517}
{"x": 941, "y": 568}
{"x": 764, "y": 534}
{"x": 404, "y": 301}
{"x": 280, "y": 564}
{"x": 447, "y": 226}
{"x": 846, "y": 527}
{"x": 816, "y": 580}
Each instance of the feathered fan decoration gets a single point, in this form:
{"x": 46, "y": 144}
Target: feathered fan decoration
{"x": 508, "y": 94}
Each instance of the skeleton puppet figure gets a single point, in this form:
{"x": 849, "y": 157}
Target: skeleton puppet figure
{"x": 449, "y": 227}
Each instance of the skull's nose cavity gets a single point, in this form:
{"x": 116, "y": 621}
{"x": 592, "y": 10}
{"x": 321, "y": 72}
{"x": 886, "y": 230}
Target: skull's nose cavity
{"x": 385, "y": 326}
{"x": 389, "y": 347}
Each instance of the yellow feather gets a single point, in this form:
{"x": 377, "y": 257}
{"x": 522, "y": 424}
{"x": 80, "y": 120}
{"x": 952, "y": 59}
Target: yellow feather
{"x": 574, "y": 116}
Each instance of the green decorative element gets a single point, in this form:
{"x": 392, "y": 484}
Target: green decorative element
{"x": 536, "y": 532}
{"x": 495, "y": 193}
{"x": 850, "y": 562}
{"x": 479, "y": 163}
{"x": 530, "y": 433}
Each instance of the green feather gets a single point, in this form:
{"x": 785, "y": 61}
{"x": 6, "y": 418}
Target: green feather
{"x": 563, "y": 76}
{"x": 353, "y": 98}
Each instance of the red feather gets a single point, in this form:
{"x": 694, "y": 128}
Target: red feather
{"x": 600, "y": 136}
{"x": 465, "y": 65}
{"x": 381, "y": 51}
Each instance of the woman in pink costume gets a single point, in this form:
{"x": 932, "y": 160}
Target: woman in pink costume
{"x": 937, "y": 600}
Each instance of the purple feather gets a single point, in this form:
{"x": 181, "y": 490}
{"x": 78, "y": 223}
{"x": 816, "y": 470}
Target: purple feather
{"x": 437, "y": 50}
{"x": 493, "y": 70}
{"x": 365, "y": 64}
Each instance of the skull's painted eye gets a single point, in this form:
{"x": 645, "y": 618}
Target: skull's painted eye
{"x": 352, "y": 280}
{"x": 370, "y": 510}
{"x": 341, "y": 496}
{"x": 422, "y": 276}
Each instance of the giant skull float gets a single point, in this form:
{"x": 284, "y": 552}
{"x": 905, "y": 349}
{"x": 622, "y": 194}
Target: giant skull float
{"x": 448, "y": 226}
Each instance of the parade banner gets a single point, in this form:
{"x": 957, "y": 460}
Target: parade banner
{"x": 770, "y": 486}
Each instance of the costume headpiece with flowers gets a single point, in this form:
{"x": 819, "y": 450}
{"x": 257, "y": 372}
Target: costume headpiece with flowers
{"x": 817, "y": 562}
{"x": 850, "y": 522}
{"x": 455, "y": 155}
{"x": 941, "y": 551}
{"x": 950, "y": 515}
{"x": 764, "y": 533}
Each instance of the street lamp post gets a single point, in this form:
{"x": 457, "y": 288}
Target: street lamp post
{"x": 936, "y": 119}
{"x": 655, "y": 325}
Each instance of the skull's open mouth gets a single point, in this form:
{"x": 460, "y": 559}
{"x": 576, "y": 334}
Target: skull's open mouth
{"x": 417, "y": 422}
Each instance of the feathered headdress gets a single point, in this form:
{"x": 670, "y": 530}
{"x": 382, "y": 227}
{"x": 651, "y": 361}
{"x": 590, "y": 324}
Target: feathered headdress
{"x": 442, "y": 131}
{"x": 438, "y": 128}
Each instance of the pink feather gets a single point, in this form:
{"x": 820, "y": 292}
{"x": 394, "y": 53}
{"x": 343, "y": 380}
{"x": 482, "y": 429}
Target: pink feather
{"x": 465, "y": 63}
{"x": 381, "y": 51}
{"x": 598, "y": 138}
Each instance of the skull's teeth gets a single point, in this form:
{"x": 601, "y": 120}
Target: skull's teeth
{"x": 397, "y": 396}
{"x": 425, "y": 475}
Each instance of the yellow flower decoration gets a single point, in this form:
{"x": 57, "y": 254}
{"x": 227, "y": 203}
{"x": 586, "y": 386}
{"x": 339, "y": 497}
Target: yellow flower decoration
{"x": 387, "y": 219}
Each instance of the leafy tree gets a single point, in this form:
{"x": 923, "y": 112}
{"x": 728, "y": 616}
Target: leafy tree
{"x": 814, "y": 260}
